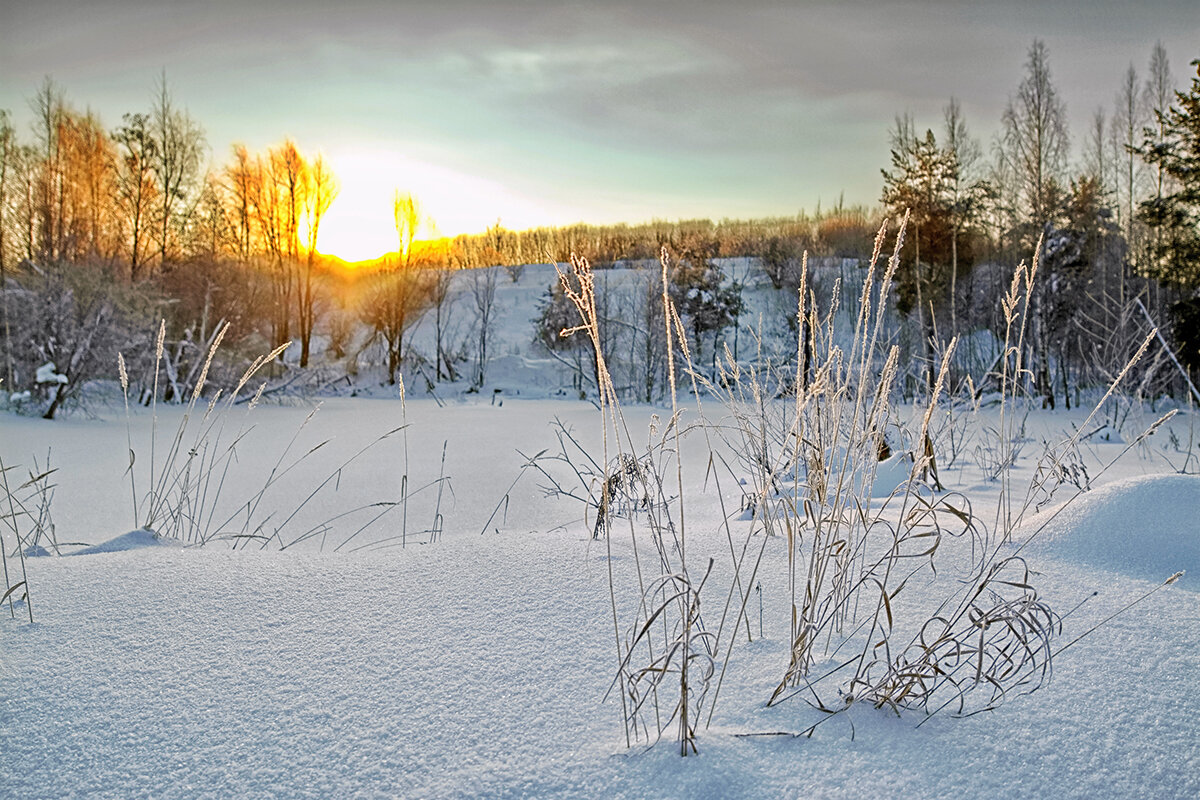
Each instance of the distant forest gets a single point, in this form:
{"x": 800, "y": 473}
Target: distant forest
{"x": 122, "y": 240}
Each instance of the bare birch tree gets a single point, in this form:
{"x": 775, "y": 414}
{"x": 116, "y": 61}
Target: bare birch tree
{"x": 177, "y": 163}
{"x": 1129, "y": 117}
{"x": 1035, "y": 142}
{"x": 483, "y": 292}
{"x": 320, "y": 189}
{"x": 136, "y": 188}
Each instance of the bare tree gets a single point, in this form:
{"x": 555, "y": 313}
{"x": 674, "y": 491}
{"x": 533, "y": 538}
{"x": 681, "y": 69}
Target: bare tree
{"x": 1035, "y": 143}
{"x": 441, "y": 294}
{"x": 269, "y": 233}
{"x": 1158, "y": 93}
{"x": 320, "y": 189}
{"x": 49, "y": 108}
{"x": 1097, "y": 154}
{"x": 1129, "y": 117}
{"x": 648, "y": 345}
{"x": 290, "y": 171}
{"x": 8, "y": 150}
{"x": 136, "y": 189}
{"x": 239, "y": 179}
{"x": 212, "y": 235}
{"x": 401, "y": 293}
{"x": 406, "y": 212}
{"x": 26, "y": 179}
{"x": 89, "y": 218}
{"x": 276, "y": 214}
{"x": 395, "y": 302}
{"x": 177, "y": 161}
{"x": 1101, "y": 165}
{"x": 483, "y": 292}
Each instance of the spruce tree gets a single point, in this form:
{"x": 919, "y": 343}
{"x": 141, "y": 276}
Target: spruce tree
{"x": 1176, "y": 215}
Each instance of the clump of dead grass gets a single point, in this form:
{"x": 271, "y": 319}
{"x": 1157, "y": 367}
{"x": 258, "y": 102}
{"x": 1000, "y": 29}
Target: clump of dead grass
{"x": 190, "y": 480}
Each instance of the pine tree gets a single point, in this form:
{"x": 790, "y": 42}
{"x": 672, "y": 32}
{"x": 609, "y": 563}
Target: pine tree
{"x": 920, "y": 183}
{"x": 1176, "y": 215}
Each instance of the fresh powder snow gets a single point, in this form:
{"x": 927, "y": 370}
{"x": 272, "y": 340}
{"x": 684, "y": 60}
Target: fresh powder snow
{"x": 475, "y": 656}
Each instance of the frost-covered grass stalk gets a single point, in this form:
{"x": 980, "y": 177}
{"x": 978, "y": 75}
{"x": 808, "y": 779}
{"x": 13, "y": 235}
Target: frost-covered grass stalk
{"x": 187, "y": 488}
{"x": 1012, "y": 378}
{"x": 434, "y": 531}
{"x": 810, "y": 443}
{"x": 816, "y": 453}
{"x": 124, "y": 376}
{"x": 182, "y": 496}
{"x": 8, "y": 590}
{"x": 664, "y": 654}
{"x": 25, "y": 512}
{"x": 862, "y": 520}
{"x": 11, "y": 521}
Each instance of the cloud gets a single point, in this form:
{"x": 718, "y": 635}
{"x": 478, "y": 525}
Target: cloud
{"x": 749, "y": 104}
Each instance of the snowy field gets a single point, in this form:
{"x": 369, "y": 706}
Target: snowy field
{"x": 331, "y": 639}
{"x": 477, "y": 664}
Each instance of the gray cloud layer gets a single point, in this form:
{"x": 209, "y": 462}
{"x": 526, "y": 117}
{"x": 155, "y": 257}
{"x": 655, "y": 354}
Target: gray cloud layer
{"x": 623, "y": 110}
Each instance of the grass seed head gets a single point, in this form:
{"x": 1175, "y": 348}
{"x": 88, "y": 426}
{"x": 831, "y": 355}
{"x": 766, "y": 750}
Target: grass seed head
{"x": 121, "y": 371}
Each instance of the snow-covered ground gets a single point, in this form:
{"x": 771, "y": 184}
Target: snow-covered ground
{"x": 477, "y": 665}
{"x": 380, "y": 663}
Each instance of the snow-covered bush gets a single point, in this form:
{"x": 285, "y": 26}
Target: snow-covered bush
{"x": 72, "y": 320}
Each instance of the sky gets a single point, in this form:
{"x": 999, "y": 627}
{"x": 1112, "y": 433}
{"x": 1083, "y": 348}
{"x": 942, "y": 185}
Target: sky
{"x": 547, "y": 113}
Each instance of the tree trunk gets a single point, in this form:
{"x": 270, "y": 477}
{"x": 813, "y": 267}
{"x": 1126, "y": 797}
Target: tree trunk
{"x": 954, "y": 281}
{"x": 55, "y": 403}
{"x": 927, "y": 346}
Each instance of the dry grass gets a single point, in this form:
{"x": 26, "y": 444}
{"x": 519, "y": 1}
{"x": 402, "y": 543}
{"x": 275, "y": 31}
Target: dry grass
{"x": 187, "y": 499}
{"x": 851, "y": 555}
{"x": 810, "y": 444}
{"x": 25, "y": 512}
{"x": 664, "y": 653}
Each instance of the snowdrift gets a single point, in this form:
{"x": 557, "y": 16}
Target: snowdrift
{"x": 1146, "y": 527}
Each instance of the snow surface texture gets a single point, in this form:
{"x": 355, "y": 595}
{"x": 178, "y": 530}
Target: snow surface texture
{"x": 477, "y": 666}
{"x": 472, "y": 669}
{"x": 1147, "y": 527}
{"x": 126, "y": 541}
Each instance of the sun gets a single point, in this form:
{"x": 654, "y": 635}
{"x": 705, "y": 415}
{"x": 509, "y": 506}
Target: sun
{"x": 359, "y": 224}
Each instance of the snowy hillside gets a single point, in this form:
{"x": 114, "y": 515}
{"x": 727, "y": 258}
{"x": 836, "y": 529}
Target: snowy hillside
{"x": 519, "y": 365}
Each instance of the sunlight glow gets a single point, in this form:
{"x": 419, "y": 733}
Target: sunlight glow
{"x": 359, "y": 225}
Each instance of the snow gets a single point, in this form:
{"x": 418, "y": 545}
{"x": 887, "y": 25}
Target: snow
{"x": 477, "y": 664}
{"x": 1105, "y": 434}
{"x": 47, "y": 373}
{"x": 126, "y": 541}
{"x": 1146, "y": 527}
{"x": 477, "y": 668}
